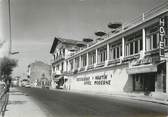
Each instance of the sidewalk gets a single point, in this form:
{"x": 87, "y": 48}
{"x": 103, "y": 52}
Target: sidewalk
{"x": 21, "y": 105}
{"x": 159, "y": 98}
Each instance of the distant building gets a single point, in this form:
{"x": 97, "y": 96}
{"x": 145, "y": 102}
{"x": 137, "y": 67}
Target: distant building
{"x": 37, "y": 72}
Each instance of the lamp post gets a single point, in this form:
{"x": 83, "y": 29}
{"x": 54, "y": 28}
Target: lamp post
{"x": 10, "y": 30}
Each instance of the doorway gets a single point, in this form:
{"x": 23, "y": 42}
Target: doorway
{"x": 144, "y": 82}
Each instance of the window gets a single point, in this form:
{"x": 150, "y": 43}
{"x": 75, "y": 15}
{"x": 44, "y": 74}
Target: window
{"x": 63, "y": 51}
{"x": 71, "y": 64}
{"x": 62, "y": 66}
{"x": 115, "y": 50}
{"x": 54, "y": 57}
{"x": 53, "y": 68}
{"x": 57, "y": 67}
{"x": 133, "y": 43}
{"x": 152, "y": 37}
{"x": 136, "y": 46}
{"x": 76, "y": 62}
{"x": 131, "y": 48}
{"x": 84, "y": 60}
{"x": 92, "y": 57}
{"x": 102, "y": 54}
{"x": 66, "y": 65}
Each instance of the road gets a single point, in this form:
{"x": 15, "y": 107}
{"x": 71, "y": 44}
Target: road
{"x": 68, "y": 104}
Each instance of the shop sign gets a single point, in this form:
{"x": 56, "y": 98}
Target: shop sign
{"x": 146, "y": 60}
{"x": 96, "y": 80}
{"x": 162, "y": 24}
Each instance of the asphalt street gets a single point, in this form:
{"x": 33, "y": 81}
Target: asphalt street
{"x": 67, "y": 104}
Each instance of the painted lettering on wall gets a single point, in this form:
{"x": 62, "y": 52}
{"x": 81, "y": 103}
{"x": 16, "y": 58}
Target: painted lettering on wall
{"x": 101, "y": 80}
{"x": 96, "y": 80}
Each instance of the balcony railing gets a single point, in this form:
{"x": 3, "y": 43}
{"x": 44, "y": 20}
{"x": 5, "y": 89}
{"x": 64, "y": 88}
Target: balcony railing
{"x": 113, "y": 62}
{"x": 58, "y": 72}
{"x": 90, "y": 67}
{"x": 58, "y": 58}
{"x": 100, "y": 64}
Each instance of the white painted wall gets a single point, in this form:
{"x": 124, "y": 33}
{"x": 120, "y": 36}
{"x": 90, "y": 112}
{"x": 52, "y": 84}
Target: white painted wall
{"x": 117, "y": 75}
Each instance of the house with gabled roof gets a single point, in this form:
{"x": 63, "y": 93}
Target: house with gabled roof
{"x": 60, "y": 50}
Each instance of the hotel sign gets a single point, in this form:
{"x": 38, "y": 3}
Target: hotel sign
{"x": 162, "y": 32}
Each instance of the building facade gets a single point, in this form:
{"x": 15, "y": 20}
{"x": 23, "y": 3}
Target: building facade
{"x": 133, "y": 59}
{"x": 39, "y": 74}
{"x": 61, "y": 50}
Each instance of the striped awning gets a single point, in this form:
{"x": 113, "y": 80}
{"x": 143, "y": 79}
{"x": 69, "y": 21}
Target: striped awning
{"x": 142, "y": 69}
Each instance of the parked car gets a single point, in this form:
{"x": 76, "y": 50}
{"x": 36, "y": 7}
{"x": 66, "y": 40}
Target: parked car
{"x": 25, "y": 83}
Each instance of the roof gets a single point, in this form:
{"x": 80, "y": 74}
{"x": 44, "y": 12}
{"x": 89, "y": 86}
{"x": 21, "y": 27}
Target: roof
{"x": 68, "y": 41}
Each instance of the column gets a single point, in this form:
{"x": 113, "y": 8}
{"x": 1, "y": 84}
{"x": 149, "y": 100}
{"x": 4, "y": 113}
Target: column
{"x": 166, "y": 76}
{"x": 74, "y": 66}
{"x": 65, "y": 66}
{"x": 143, "y": 40}
{"x": 87, "y": 59}
{"x": 108, "y": 57}
{"x": 123, "y": 47}
{"x": 80, "y": 62}
{"x": 108, "y": 52}
{"x": 96, "y": 58}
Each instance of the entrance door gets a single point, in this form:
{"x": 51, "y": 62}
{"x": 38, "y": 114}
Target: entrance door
{"x": 149, "y": 81}
{"x": 144, "y": 82}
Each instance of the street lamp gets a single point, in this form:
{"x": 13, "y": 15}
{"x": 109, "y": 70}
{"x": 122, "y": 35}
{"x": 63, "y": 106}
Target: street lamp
{"x": 10, "y": 31}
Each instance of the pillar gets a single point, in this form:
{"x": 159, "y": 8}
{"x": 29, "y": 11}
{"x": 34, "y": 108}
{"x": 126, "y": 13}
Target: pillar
{"x": 166, "y": 76}
{"x": 143, "y": 40}
{"x": 123, "y": 47}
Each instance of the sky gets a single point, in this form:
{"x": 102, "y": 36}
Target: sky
{"x": 35, "y": 23}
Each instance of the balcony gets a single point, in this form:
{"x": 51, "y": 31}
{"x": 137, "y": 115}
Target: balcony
{"x": 58, "y": 58}
{"x": 57, "y": 72}
{"x": 100, "y": 64}
{"x": 114, "y": 62}
{"x": 90, "y": 67}
{"x": 131, "y": 57}
{"x": 82, "y": 69}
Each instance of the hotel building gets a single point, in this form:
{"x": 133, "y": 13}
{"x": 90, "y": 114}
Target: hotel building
{"x": 133, "y": 59}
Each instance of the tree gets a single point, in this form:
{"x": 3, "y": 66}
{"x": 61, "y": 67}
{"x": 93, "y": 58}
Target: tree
{"x": 6, "y": 67}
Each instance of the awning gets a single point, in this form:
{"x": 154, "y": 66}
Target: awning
{"x": 142, "y": 69}
{"x": 57, "y": 78}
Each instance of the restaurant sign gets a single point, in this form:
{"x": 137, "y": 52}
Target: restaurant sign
{"x": 95, "y": 80}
